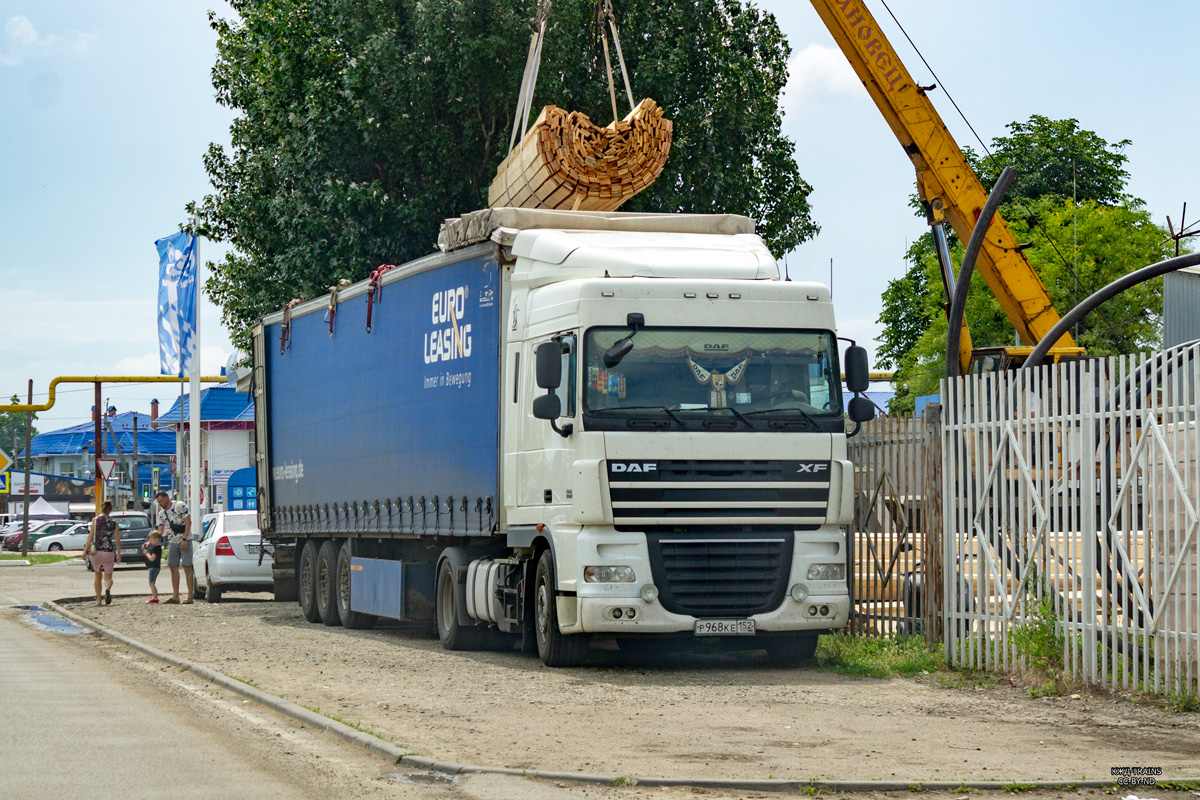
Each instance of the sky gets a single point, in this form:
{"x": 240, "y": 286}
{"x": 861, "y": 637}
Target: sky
{"x": 108, "y": 108}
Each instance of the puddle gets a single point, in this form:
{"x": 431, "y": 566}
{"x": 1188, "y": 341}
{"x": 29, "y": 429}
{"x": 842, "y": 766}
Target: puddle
{"x": 48, "y": 620}
{"x": 421, "y": 778}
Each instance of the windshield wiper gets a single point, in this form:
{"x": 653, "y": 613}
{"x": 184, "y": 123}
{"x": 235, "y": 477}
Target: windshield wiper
{"x": 793, "y": 410}
{"x": 669, "y": 412}
{"x": 730, "y": 409}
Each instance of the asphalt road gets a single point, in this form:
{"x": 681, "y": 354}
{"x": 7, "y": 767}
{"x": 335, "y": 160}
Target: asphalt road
{"x": 84, "y": 717}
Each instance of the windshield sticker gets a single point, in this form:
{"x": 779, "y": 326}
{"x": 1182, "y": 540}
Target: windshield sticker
{"x": 606, "y": 382}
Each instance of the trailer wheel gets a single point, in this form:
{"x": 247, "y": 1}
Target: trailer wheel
{"x": 791, "y": 650}
{"x": 327, "y": 583}
{"x": 555, "y": 649}
{"x": 355, "y": 620}
{"x": 453, "y": 635}
{"x": 307, "y": 580}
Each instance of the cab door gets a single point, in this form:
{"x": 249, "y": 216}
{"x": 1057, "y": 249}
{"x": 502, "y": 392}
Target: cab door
{"x": 545, "y": 457}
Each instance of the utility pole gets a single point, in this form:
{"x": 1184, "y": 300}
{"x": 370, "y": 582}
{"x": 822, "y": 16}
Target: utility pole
{"x": 28, "y": 435}
{"x": 137, "y": 474}
{"x": 97, "y": 448}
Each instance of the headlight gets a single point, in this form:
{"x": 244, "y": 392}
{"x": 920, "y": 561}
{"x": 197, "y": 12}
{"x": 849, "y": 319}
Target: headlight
{"x": 649, "y": 593}
{"x": 621, "y": 574}
{"x": 827, "y": 572}
{"x": 799, "y": 592}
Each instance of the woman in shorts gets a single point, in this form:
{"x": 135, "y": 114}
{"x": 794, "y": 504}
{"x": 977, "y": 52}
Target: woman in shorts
{"x": 104, "y": 547}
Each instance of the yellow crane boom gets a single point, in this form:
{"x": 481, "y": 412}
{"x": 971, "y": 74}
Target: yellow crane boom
{"x": 945, "y": 181}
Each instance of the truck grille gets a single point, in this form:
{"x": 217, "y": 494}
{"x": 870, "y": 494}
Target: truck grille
{"x": 718, "y": 496}
{"x": 718, "y": 575}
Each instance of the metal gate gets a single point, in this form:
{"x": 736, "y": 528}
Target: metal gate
{"x": 1070, "y": 508}
{"x": 897, "y": 522}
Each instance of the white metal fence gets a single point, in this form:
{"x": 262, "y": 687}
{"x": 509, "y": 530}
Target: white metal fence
{"x": 1069, "y": 504}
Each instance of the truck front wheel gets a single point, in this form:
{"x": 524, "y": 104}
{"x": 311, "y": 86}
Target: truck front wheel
{"x": 355, "y": 620}
{"x": 327, "y": 583}
{"x": 306, "y": 579}
{"x": 555, "y": 649}
{"x": 453, "y": 635}
{"x": 791, "y": 650}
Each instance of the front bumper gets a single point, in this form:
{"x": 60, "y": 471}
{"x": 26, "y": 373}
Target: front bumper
{"x": 595, "y": 616}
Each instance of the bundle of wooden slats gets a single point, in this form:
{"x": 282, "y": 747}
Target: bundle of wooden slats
{"x": 566, "y": 162}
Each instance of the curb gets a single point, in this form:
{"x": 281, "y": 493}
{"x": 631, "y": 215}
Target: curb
{"x": 398, "y": 755}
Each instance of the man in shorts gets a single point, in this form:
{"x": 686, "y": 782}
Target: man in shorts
{"x": 175, "y": 526}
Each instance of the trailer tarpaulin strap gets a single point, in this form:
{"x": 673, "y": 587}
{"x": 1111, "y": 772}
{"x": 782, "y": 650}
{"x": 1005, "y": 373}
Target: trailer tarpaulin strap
{"x": 285, "y": 330}
{"x": 333, "y": 301}
{"x": 375, "y": 290}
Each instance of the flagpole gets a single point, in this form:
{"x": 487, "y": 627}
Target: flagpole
{"x": 194, "y": 436}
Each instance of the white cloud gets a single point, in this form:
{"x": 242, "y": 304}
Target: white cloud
{"x": 21, "y": 41}
{"x": 819, "y": 73}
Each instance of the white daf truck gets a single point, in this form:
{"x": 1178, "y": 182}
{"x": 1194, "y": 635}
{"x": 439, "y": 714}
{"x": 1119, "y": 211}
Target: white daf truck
{"x": 565, "y": 425}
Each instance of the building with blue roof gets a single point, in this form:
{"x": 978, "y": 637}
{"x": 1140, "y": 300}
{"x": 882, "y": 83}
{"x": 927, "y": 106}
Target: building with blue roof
{"x": 226, "y": 436}
{"x": 132, "y": 438}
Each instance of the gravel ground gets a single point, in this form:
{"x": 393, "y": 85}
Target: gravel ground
{"x": 685, "y": 715}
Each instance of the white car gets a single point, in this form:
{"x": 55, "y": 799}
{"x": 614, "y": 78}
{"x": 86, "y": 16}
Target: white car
{"x": 73, "y": 538}
{"x": 227, "y": 556}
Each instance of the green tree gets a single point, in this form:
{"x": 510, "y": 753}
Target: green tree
{"x": 1113, "y": 240}
{"x": 364, "y": 123}
{"x": 12, "y": 429}
{"x": 1055, "y": 160}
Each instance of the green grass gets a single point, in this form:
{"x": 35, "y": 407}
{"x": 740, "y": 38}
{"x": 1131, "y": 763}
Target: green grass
{"x": 36, "y": 558}
{"x": 874, "y": 657}
{"x": 1183, "y": 701}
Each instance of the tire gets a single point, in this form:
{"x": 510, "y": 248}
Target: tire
{"x": 791, "y": 650}
{"x": 326, "y": 583}
{"x": 54, "y": 547}
{"x": 555, "y": 648}
{"x": 452, "y": 635}
{"x": 201, "y": 591}
{"x": 354, "y": 620}
{"x": 306, "y": 580}
{"x": 212, "y": 593}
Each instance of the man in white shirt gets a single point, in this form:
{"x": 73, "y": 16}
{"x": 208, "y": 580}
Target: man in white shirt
{"x": 176, "y": 526}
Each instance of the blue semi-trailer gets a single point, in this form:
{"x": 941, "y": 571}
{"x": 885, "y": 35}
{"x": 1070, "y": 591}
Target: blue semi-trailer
{"x": 563, "y": 425}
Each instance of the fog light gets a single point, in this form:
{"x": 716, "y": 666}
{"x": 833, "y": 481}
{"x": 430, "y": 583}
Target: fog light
{"x": 617, "y": 613}
{"x": 826, "y": 572}
{"x": 649, "y": 593}
{"x": 799, "y": 592}
{"x": 824, "y": 611}
{"x": 621, "y": 574}
{"x": 812, "y": 611}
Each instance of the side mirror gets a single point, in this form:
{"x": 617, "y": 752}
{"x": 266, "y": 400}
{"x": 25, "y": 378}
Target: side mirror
{"x": 858, "y": 370}
{"x": 547, "y": 406}
{"x": 861, "y": 409}
{"x": 548, "y": 370}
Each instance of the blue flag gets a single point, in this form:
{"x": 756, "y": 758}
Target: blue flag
{"x": 177, "y": 303}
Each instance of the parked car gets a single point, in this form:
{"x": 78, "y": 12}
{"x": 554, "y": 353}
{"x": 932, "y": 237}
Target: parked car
{"x": 73, "y": 538}
{"x": 134, "y": 527}
{"x": 227, "y": 556}
{"x": 36, "y": 531}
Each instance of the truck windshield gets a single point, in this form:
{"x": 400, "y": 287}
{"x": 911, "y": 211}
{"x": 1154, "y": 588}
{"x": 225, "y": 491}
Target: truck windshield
{"x": 713, "y": 379}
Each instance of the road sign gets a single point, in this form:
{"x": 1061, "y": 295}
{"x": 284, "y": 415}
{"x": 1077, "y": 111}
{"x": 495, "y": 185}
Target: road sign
{"x": 3, "y": 483}
{"x": 106, "y": 467}
{"x": 5, "y": 460}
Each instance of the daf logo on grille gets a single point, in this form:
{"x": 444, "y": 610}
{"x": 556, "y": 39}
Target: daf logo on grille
{"x": 634, "y": 466}
{"x": 813, "y": 467}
